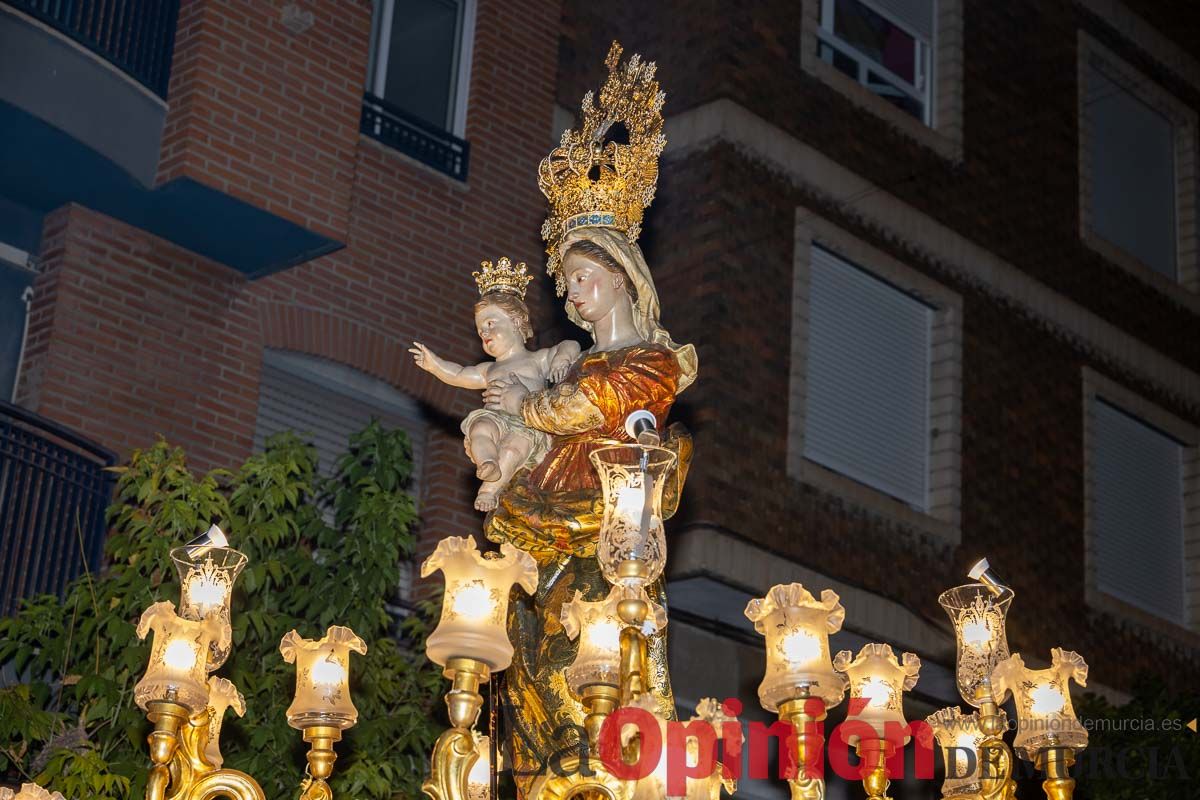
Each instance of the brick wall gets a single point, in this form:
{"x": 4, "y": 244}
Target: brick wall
{"x": 1019, "y": 117}
{"x": 132, "y": 337}
{"x": 1022, "y": 433}
{"x": 266, "y": 115}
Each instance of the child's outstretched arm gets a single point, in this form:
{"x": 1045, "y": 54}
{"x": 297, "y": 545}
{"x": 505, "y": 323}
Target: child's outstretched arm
{"x": 473, "y": 376}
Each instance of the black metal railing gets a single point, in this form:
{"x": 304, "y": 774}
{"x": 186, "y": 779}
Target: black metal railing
{"x": 415, "y": 137}
{"x": 54, "y": 489}
{"x": 137, "y": 36}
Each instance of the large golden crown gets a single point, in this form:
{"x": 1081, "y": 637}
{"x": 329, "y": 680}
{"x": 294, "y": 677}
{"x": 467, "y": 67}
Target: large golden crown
{"x": 592, "y": 182}
{"x": 502, "y": 277}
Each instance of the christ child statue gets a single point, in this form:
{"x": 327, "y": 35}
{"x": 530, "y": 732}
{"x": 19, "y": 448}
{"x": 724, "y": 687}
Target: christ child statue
{"x": 497, "y": 442}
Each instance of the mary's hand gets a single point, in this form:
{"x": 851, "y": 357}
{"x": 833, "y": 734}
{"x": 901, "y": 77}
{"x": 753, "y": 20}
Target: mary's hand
{"x": 506, "y": 395}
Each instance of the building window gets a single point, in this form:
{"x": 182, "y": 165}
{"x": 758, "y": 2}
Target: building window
{"x": 885, "y": 46}
{"x": 868, "y": 379}
{"x": 1137, "y": 171}
{"x": 324, "y": 403}
{"x": 419, "y": 73}
{"x": 876, "y": 398}
{"x": 420, "y": 57}
{"x": 901, "y": 59}
{"x": 1141, "y": 462}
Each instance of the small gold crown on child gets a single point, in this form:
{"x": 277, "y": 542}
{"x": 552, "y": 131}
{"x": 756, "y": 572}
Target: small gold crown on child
{"x": 502, "y": 277}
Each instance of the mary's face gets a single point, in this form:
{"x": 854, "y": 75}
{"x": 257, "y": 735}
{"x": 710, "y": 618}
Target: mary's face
{"x": 591, "y": 288}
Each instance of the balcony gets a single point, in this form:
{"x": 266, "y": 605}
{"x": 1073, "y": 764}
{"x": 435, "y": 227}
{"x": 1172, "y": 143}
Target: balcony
{"x": 414, "y": 137}
{"x": 83, "y": 86}
{"x": 137, "y": 36}
{"x": 54, "y": 489}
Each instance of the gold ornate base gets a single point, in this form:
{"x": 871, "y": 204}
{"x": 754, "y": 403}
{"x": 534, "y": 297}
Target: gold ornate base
{"x": 181, "y": 767}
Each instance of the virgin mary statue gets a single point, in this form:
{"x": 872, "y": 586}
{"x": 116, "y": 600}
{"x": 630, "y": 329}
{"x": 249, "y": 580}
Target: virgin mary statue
{"x": 597, "y": 191}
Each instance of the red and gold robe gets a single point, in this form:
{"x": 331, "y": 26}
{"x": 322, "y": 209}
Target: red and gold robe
{"x": 553, "y": 512}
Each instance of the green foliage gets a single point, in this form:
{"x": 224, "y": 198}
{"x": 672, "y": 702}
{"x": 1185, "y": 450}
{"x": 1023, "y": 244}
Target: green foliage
{"x": 321, "y": 552}
{"x": 1142, "y": 749}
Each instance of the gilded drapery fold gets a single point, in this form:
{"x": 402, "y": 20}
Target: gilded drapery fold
{"x": 553, "y": 512}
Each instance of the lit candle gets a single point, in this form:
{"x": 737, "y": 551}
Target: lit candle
{"x": 796, "y": 627}
{"x": 176, "y": 670}
{"x": 978, "y": 612}
{"x": 1045, "y": 717}
{"x": 597, "y": 626}
{"x": 631, "y": 526}
{"x": 322, "y": 677}
{"x": 876, "y": 677}
{"x": 479, "y": 778}
{"x": 29, "y": 791}
{"x": 960, "y": 737}
{"x": 206, "y": 578}
{"x": 475, "y": 603}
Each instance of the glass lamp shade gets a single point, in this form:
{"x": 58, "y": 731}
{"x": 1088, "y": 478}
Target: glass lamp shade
{"x": 878, "y": 683}
{"x": 797, "y": 626}
{"x": 206, "y": 578}
{"x": 177, "y": 660}
{"x": 631, "y": 530}
{"x": 475, "y": 604}
{"x": 222, "y": 695}
{"x": 322, "y": 677}
{"x": 29, "y": 791}
{"x": 597, "y": 625}
{"x": 957, "y": 735}
{"x": 1045, "y": 716}
{"x": 978, "y": 617}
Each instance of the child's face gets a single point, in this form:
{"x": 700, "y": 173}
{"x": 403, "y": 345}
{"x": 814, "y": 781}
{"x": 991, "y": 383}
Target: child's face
{"x": 496, "y": 330}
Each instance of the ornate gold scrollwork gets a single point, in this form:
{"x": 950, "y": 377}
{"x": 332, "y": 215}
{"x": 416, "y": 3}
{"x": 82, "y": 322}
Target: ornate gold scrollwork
{"x": 573, "y": 784}
{"x": 181, "y": 767}
{"x": 453, "y": 756}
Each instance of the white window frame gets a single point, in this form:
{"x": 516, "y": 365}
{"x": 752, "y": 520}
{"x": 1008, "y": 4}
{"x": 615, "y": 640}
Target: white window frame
{"x": 1099, "y": 387}
{"x": 1093, "y": 55}
{"x": 943, "y": 515}
{"x": 942, "y": 130}
{"x": 460, "y": 82}
{"x": 923, "y": 57}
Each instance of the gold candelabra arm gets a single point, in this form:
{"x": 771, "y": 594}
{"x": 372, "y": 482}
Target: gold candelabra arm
{"x": 454, "y": 753}
{"x": 633, "y": 612}
{"x": 996, "y": 781}
{"x": 599, "y": 700}
{"x": 177, "y": 751}
{"x": 321, "y": 756}
{"x": 226, "y": 783}
{"x": 874, "y": 755}
{"x": 453, "y": 756}
{"x": 1055, "y": 762}
{"x": 804, "y": 712}
{"x": 168, "y": 718}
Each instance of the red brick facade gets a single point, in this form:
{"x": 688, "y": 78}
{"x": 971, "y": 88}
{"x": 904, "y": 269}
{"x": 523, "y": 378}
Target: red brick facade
{"x": 720, "y": 238}
{"x": 133, "y": 337}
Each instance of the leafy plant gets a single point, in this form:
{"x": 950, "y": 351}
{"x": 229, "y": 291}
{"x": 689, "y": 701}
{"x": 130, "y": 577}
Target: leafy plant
{"x": 321, "y": 552}
{"x": 1142, "y": 749}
